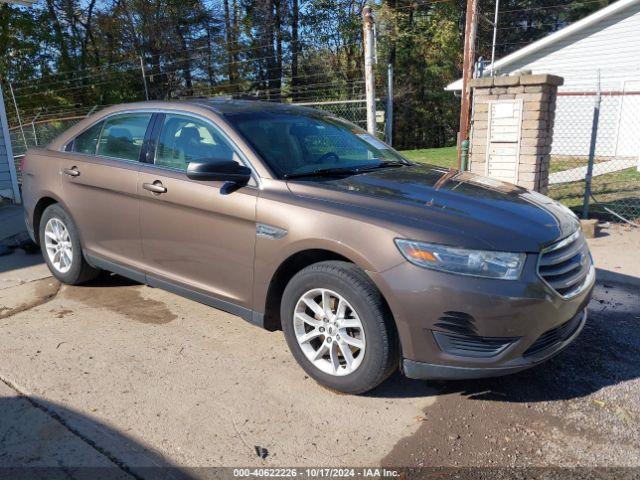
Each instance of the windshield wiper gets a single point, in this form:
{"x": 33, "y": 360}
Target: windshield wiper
{"x": 385, "y": 164}
{"x": 323, "y": 172}
{"x": 332, "y": 172}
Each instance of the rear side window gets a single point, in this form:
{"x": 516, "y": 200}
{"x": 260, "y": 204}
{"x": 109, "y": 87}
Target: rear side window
{"x": 86, "y": 142}
{"x": 123, "y": 136}
{"x": 184, "y": 139}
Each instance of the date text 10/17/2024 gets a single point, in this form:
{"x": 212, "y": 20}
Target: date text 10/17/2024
{"x": 316, "y": 472}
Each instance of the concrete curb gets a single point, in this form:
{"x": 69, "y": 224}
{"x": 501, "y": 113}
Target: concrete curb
{"x": 609, "y": 277}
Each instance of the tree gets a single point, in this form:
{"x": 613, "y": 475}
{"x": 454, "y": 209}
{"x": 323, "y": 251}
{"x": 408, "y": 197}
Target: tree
{"x": 76, "y": 54}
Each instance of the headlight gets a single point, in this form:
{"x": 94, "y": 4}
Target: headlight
{"x": 478, "y": 263}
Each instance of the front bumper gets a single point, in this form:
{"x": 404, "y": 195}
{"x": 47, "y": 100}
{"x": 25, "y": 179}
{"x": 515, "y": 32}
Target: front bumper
{"x": 452, "y": 326}
{"x": 427, "y": 371}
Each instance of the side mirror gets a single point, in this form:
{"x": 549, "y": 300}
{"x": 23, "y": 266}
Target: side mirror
{"x": 212, "y": 169}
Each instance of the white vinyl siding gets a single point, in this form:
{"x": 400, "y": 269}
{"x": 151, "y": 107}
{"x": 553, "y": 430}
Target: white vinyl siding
{"x": 606, "y": 42}
{"x": 612, "y": 47}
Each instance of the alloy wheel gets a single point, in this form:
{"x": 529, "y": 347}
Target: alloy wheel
{"x": 58, "y": 245}
{"x": 329, "y": 332}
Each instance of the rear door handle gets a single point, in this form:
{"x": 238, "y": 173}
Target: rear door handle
{"x": 155, "y": 187}
{"x": 72, "y": 172}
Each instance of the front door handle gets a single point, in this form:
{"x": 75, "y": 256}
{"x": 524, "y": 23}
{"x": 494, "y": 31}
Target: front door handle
{"x": 155, "y": 187}
{"x": 72, "y": 172}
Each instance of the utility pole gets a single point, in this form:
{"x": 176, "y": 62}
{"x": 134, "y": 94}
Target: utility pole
{"x": 369, "y": 61}
{"x": 144, "y": 79}
{"x": 389, "y": 119}
{"x": 470, "y": 30}
{"x": 495, "y": 36}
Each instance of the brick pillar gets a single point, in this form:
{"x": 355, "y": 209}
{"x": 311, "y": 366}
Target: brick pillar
{"x": 516, "y": 146}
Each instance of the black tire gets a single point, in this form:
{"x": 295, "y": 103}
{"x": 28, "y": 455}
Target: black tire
{"x": 381, "y": 353}
{"x": 80, "y": 271}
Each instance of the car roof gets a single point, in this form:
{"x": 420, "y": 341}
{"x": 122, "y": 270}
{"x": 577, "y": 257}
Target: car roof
{"x": 226, "y": 106}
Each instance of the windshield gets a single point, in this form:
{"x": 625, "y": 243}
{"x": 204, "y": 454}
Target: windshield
{"x": 293, "y": 144}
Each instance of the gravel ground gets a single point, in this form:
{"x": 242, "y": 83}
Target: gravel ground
{"x": 120, "y": 375}
{"x": 582, "y": 408}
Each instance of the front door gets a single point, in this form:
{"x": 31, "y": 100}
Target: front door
{"x": 100, "y": 182}
{"x": 195, "y": 234}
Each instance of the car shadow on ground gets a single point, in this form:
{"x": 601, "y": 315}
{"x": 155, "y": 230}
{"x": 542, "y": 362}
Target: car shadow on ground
{"x": 606, "y": 353}
{"x": 17, "y": 259}
{"x": 108, "y": 279}
{"x": 42, "y": 439}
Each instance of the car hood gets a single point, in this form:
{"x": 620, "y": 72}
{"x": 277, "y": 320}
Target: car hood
{"x": 448, "y": 206}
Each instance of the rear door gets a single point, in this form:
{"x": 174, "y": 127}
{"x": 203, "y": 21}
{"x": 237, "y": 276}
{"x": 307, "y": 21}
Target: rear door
{"x": 196, "y": 234}
{"x": 100, "y": 185}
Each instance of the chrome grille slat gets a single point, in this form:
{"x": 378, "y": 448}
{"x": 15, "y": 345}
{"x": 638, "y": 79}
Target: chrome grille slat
{"x": 570, "y": 280}
{"x": 560, "y": 269}
{"x": 566, "y": 265}
{"x": 563, "y": 254}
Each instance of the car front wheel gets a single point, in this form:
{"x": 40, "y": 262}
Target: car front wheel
{"x": 338, "y": 327}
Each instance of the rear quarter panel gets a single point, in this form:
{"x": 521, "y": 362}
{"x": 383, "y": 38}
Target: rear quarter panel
{"x": 40, "y": 178}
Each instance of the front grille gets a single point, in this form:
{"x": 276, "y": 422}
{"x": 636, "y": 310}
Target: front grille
{"x": 566, "y": 266}
{"x": 472, "y": 345}
{"x": 554, "y": 336}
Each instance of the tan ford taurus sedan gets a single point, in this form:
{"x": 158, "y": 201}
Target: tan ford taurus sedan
{"x": 294, "y": 219}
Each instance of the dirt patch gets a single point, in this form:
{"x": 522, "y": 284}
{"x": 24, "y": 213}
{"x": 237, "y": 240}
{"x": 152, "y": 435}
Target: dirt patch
{"x": 120, "y": 296}
{"x": 14, "y": 300}
{"x": 458, "y": 433}
{"x": 579, "y": 409}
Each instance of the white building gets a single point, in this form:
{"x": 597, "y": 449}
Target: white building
{"x": 604, "y": 46}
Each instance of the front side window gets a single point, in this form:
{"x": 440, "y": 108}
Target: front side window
{"x": 184, "y": 139}
{"x": 123, "y": 136}
{"x": 87, "y": 141}
{"x": 293, "y": 143}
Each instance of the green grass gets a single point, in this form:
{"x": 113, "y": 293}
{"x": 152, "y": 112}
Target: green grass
{"x": 617, "y": 189}
{"x": 560, "y": 163}
{"x": 443, "y": 157}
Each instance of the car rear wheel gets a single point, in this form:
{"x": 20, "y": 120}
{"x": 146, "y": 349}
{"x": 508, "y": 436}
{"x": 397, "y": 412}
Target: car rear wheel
{"x": 61, "y": 247}
{"x": 338, "y": 327}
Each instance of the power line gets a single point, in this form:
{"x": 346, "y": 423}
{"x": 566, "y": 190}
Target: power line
{"x": 134, "y": 66}
{"x": 224, "y": 44}
{"x": 151, "y": 67}
{"x": 415, "y": 5}
{"x": 565, "y": 5}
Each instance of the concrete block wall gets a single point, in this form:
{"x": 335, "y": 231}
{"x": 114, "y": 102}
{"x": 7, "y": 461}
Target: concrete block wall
{"x": 538, "y": 96}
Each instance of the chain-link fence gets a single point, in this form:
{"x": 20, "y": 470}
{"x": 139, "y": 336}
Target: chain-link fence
{"x": 595, "y": 153}
{"x": 37, "y": 134}
{"x": 42, "y": 131}
{"x": 354, "y": 111}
